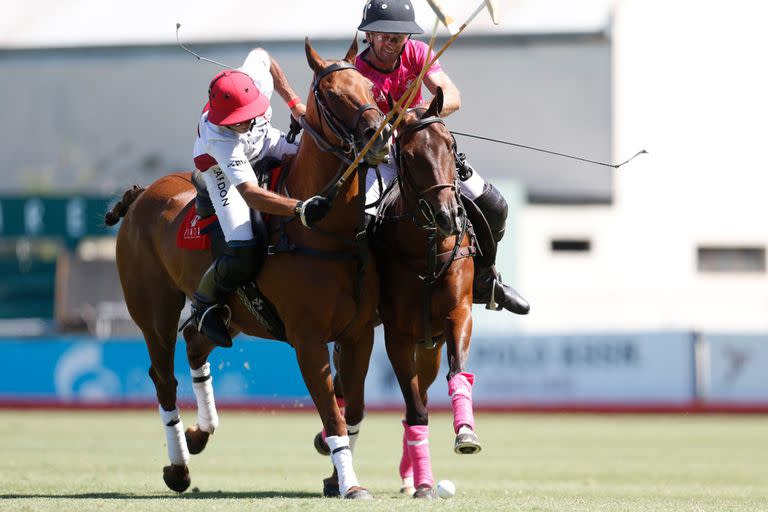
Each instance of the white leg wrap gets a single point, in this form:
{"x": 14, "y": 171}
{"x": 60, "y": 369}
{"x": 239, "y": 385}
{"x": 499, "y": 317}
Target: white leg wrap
{"x": 202, "y": 382}
{"x": 341, "y": 455}
{"x": 174, "y": 436}
{"x": 353, "y": 431}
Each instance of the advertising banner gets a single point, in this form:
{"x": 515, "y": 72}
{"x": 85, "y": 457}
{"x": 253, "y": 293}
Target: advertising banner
{"x": 84, "y": 371}
{"x": 627, "y": 368}
{"x": 737, "y": 369}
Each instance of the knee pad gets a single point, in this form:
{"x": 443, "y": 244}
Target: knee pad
{"x": 238, "y": 266}
{"x": 495, "y": 208}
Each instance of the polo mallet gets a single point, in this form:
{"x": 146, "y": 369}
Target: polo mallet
{"x": 178, "y": 26}
{"x": 449, "y": 22}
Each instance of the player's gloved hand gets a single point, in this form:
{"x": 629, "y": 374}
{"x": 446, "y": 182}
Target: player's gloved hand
{"x": 312, "y": 210}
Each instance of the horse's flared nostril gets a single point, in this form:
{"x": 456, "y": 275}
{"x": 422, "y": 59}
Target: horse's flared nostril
{"x": 368, "y": 133}
{"x": 445, "y": 223}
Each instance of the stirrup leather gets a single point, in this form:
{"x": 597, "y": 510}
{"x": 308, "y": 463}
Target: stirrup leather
{"x": 492, "y": 304}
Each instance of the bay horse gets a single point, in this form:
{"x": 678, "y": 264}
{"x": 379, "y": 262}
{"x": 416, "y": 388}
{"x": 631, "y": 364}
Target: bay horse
{"x": 424, "y": 251}
{"x": 322, "y": 290}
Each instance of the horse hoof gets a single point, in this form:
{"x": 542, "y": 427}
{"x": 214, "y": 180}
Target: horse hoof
{"x": 358, "y": 493}
{"x": 196, "y": 439}
{"x": 331, "y": 488}
{"x": 467, "y": 444}
{"x": 176, "y": 477}
{"x": 320, "y": 445}
{"x": 425, "y": 493}
{"x": 407, "y": 489}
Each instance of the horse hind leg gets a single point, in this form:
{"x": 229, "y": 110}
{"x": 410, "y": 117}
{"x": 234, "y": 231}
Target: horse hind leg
{"x": 416, "y": 459}
{"x": 157, "y": 315}
{"x": 199, "y": 348}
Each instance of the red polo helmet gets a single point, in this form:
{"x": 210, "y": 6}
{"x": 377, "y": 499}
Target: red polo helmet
{"x": 233, "y": 98}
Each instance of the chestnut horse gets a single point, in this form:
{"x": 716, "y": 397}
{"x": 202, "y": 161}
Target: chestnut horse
{"x": 424, "y": 251}
{"x": 322, "y": 290}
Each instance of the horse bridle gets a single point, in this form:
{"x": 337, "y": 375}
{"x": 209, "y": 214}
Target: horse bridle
{"x": 336, "y": 125}
{"x": 423, "y": 204}
{"x": 433, "y": 272}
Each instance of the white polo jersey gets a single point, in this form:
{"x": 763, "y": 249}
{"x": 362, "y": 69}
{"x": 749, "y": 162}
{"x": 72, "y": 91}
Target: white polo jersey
{"x": 232, "y": 152}
{"x": 226, "y": 157}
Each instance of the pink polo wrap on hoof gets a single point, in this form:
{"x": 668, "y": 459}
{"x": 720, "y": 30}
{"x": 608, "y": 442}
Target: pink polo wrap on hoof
{"x": 417, "y": 443}
{"x": 406, "y": 467}
{"x": 460, "y": 391}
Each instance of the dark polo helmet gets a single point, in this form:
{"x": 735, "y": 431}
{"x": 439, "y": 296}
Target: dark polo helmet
{"x": 389, "y": 16}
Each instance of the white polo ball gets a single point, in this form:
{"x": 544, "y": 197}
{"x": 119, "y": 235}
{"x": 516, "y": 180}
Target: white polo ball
{"x": 446, "y": 489}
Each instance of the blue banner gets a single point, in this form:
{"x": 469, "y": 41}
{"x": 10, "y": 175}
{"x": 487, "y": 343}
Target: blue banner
{"x": 85, "y": 370}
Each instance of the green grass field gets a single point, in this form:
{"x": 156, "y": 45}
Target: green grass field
{"x": 102, "y": 461}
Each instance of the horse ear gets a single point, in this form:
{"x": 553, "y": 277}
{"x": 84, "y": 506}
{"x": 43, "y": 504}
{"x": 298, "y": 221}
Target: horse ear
{"x": 352, "y": 52}
{"x": 314, "y": 60}
{"x": 436, "y": 105}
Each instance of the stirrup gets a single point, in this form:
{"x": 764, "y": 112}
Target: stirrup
{"x": 211, "y": 308}
{"x": 492, "y": 304}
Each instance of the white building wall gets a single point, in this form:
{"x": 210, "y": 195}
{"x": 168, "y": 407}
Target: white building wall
{"x": 690, "y": 86}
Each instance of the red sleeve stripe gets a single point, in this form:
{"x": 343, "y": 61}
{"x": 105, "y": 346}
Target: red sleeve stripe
{"x": 204, "y": 162}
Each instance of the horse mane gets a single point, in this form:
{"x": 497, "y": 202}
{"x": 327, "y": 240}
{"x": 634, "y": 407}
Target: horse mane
{"x": 118, "y": 211}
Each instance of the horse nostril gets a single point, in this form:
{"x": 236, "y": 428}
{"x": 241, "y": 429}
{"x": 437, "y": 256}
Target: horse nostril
{"x": 368, "y": 133}
{"x": 444, "y": 222}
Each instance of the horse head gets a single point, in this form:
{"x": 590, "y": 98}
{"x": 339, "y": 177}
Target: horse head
{"x": 344, "y": 106}
{"x": 427, "y": 170}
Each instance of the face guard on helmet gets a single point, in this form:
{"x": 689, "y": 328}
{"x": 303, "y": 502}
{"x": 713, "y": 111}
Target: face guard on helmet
{"x": 390, "y": 17}
{"x": 234, "y": 98}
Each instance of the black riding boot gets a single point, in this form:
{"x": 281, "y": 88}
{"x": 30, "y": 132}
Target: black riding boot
{"x": 209, "y": 310}
{"x": 487, "y": 288}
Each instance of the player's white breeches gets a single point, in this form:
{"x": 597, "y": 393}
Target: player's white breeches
{"x": 472, "y": 188}
{"x": 231, "y": 209}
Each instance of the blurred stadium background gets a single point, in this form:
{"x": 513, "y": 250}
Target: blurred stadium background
{"x": 647, "y": 284}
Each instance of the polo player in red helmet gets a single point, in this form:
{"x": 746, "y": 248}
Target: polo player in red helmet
{"x": 234, "y": 133}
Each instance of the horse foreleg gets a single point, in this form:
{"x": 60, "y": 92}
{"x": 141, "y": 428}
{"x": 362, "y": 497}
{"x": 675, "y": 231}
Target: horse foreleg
{"x": 354, "y": 359}
{"x": 312, "y": 356}
{"x": 460, "y": 382}
{"x": 198, "y": 349}
{"x": 416, "y": 436}
{"x": 320, "y": 445}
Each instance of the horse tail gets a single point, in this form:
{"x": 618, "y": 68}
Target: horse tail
{"x": 118, "y": 211}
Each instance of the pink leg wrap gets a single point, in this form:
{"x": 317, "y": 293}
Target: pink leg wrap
{"x": 460, "y": 391}
{"x": 406, "y": 468}
{"x": 417, "y": 444}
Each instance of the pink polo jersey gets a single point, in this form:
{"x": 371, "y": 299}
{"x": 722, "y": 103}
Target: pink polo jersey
{"x": 412, "y": 59}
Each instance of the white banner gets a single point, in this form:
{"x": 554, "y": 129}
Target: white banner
{"x": 616, "y": 369}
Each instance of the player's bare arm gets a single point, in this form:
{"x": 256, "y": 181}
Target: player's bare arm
{"x": 451, "y": 94}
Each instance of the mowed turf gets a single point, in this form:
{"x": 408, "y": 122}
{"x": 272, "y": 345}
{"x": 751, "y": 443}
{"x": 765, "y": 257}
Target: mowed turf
{"x": 103, "y": 461}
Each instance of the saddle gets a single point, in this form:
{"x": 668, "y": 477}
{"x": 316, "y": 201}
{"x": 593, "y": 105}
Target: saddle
{"x": 268, "y": 172}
